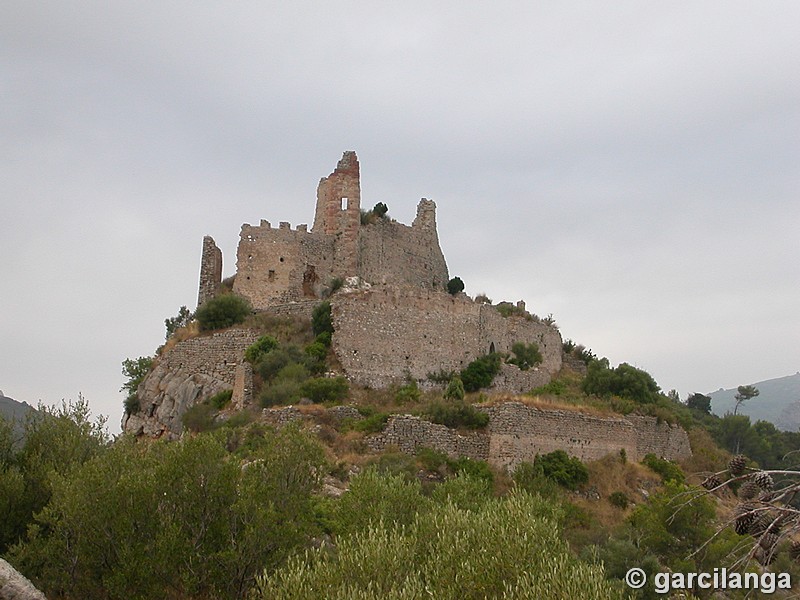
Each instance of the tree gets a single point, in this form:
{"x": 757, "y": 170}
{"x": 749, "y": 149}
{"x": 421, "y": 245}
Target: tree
{"x": 321, "y": 320}
{"x": 182, "y": 319}
{"x": 744, "y": 393}
{"x": 135, "y": 369}
{"x": 699, "y": 402}
{"x": 380, "y": 209}
{"x": 455, "y": 286}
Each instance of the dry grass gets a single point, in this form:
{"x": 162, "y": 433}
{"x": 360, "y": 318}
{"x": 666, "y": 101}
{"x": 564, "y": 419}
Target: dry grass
{"x": 553, "y": 403}
{"x": 182, "y": 334}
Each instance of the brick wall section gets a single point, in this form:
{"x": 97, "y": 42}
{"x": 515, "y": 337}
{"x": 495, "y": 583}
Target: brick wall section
{"x": 216, "y": 356}
{"x": 517, "y": 433}
{"x": 386, "y": 332}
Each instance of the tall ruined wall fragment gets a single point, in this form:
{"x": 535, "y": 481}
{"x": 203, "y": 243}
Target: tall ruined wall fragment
{"x": 338, "y": 212}
{"x": 393, "y": 253}
{"x": 210, "y": 270}
{"x": 386, "y": 333}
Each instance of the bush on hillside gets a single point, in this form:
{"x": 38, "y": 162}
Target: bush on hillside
{"x": 480, "y": 372}
{"x": 321, "y": 320}
{"x": 457, "y": 414}
{"x": 625, "y": 381}
{"x": 565, "y": 470}
{"x": 222, "y": 311}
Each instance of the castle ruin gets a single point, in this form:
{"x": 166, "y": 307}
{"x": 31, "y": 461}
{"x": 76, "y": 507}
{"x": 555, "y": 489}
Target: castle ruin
{"x": 276, "y": 266}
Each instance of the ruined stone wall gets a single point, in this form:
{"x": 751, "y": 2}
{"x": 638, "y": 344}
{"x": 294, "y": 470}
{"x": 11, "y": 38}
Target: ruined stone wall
{"x": 393, "y": 253}
{"x": 210, "y": 270}
{"x": 661, "y": 438}
{"x": 386, "y": 333}
{"x": 216, "y": 356}
{"x": 407, "y": 433}
{"x": 517, "y": 433}
{"x": 279, "y": 266}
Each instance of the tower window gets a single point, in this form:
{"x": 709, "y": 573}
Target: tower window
{"x": 271, "y": 275}
{"x": 344, "y": 203}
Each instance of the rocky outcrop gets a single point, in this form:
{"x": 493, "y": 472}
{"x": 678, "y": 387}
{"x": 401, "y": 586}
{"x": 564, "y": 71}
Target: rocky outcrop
{"x": 190, "y": 372}
{"x": 14, "y": 585}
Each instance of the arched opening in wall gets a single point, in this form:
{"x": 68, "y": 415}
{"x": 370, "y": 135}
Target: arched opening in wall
{"x": 491, "y": 348}
{"x": 344, "y": 203}
{"x": 271, "y": 275}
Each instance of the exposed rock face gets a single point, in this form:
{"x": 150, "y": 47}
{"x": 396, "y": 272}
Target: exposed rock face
{"x": 14, "y": 585}
{"x": 192, "y": 371}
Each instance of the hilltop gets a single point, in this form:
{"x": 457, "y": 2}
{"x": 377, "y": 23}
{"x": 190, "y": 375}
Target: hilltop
{"x": 778, "y": 402}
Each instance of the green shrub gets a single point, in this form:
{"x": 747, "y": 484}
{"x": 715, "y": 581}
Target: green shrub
{"x": 260, "y": 348}
{"x": 619, "y": 499}
{"x": 321, "y": 320}
{"x": 668, "y": 470}
{"x": 324, "y": 338}
{"x": 525, "y": 355}
{"x": 531, "y": 478}
{"x": 565, "y": 470}
{"x": 432, "y": 460}
{"x": 280, "y": 393}
{"x": 222, "y": 311}
{"x": 219, "y": 401}
{"x": 131, "y": 404}
{"x": 455, "y": 286}
{"x": 135, "y": 370}
{"x": 479, "y": 469}
{"x": 480, "y": 372}
{"x": 317, "y": 351}
{"x": 555, "y": 387}
{"x": 408, "y": 393}
{"x": 624, "y": 381}
{"x": 199, "y": 418}
{"x": 457, "y": 414}
{"x": 272, "y": 362}
{"x": 455, "y": 389}
{"x": 182, "y": 319}
{"x": 323, "y": 389}
{"x": 374, "y": 423}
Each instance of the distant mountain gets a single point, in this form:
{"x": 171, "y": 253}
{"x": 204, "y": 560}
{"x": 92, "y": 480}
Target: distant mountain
{"x": 14, "y": 411}
{"x": 778, "y": 402}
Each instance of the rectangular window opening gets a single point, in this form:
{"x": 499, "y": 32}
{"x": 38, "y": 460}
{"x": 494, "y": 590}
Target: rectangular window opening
{"x": 344, "y": 203}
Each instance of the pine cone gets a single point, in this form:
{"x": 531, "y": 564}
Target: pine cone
{"x": 744, "y": 517}
{"x": 737, "y": 464}
{"x": 749, "y": 490}
{"x": 768, "y": 541}
{"x": 764, "y": 481}
{"x": 760, "y": 524}
{"x": 711, "y": 482}
{"x": 794, "y": 551}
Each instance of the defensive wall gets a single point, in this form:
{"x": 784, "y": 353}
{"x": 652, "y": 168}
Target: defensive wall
{"x": 389, "y": 333}
{"x": 517, "y": 433}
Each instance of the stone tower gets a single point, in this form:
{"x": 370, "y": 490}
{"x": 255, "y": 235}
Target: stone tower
{"x": 338, "y": 212}
{"x": 210, "y": 270}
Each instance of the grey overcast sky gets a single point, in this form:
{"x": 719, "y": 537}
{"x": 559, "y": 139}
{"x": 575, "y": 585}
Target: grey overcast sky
{"x": 630, "y": 167}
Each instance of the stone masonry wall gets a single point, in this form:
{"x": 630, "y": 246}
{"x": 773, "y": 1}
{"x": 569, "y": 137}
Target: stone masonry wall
{"x": 282, "y": 265}
{"x": 393, "y": 253}
{"x": 386, "y": 333}
{"x": 517, "y": 433}
{"x": 216, "y": 356}
{"x": 210, "y": 270}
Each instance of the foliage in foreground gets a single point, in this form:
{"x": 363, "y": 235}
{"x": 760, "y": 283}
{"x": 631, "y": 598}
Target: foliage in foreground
{"x": 503, "y": 548}
{"x": 179, "y": 519}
